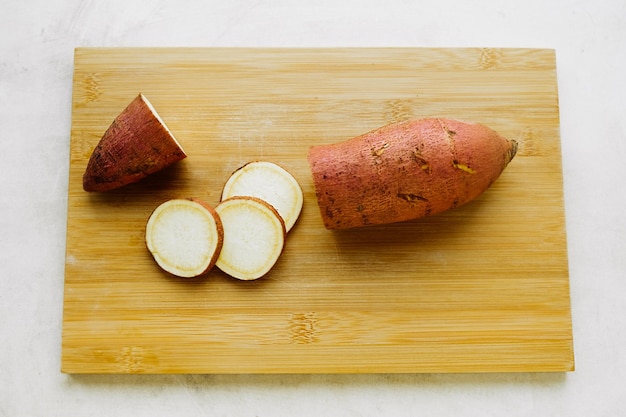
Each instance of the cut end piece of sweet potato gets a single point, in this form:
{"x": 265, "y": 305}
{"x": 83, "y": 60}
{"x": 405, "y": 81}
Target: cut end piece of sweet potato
{"x": 271, "y": 183}
{"x": 185, "y": 237}
{"x": 137, "y": 144}
{"x": 254, "y": 237}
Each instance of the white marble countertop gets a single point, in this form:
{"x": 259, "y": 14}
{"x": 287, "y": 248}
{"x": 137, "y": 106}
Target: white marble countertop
{"x": 36, "y": 63}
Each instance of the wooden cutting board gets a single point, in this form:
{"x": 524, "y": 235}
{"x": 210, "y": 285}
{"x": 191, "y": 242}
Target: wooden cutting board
{"x": 482, "y": 288}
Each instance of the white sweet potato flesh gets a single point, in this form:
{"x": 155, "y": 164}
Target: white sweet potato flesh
{"x": 185, "y": 237}
{"x": 254, "y": 237}
{"x": 270, "y": 182}
{"x": 136, "y": 144}
{"x": 406, "y": 170}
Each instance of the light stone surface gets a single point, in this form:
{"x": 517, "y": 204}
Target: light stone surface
{"x": 36, "y": 61}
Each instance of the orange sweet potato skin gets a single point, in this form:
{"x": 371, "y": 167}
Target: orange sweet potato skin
{"x": 405, "y": 171}
{"x": 134, "y": 146}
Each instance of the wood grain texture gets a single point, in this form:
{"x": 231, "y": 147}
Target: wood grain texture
{"x": 482, "y": 288}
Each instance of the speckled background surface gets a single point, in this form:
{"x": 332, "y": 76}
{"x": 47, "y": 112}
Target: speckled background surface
{"x": 36, "y": 63}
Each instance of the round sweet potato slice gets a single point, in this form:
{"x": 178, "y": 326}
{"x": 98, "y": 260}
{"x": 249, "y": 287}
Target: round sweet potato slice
{"x": 185, "y": 237}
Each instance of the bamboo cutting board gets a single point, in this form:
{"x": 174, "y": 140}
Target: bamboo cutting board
{"x": 482, "y": 288}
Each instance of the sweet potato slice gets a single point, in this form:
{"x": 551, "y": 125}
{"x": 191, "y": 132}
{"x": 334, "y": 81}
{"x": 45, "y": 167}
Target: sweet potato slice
{"x": 185, "y": 237}
{"x": 271, "y": 183}
{"x": 137, "y": 144}
{"x": 406, "y": 170}
{"x": 254, "y": 237}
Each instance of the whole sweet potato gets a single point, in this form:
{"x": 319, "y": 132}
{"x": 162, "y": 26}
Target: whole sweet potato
{"x": 406, "y": 170}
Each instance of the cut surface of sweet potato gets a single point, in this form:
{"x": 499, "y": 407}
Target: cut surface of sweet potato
{"x": 254, "y": 237}
{"x": 136, "y": 144}
{"x": 271, "y": 183}
{"x": 185, "y": 237}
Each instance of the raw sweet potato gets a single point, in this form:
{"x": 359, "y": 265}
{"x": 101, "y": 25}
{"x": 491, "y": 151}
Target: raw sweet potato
{"x": 406, "y": 170}
{"x": 185, "y": 236}
{"x": 254, "y": 237}
{"x": 271, "y": 183}
{"x": 137, "y": 144}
